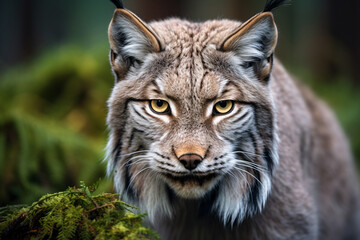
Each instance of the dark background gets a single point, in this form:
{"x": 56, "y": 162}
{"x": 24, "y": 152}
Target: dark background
{"x": 55, "y": 78}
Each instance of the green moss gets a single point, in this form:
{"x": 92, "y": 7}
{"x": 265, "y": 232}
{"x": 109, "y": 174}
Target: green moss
{"x": 76, "y": 213}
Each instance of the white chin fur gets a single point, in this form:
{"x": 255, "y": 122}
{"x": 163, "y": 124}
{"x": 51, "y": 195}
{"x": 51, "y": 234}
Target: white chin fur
{"x": 189, "y": 192}
{"x": 192, "y": 190}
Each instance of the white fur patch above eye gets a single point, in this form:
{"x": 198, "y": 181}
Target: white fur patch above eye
{"x": 173, "y": 108}
{"x": 209, "y": 110}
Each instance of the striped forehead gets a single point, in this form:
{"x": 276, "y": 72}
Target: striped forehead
{"x": 187, "y": 76}
{"x": 187, "y": 82}
{"x": 188, "y": 49}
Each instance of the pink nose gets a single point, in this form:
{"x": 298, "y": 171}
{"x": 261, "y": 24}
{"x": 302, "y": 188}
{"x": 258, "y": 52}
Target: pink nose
{"x": 190, "y": 160}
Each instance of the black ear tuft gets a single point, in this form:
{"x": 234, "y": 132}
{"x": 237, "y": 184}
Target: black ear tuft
{"x": 271, "y": 4}
{"x": 118, "y": 3}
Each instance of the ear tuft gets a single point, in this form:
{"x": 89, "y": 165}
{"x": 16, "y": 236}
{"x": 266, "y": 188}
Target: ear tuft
{"x": 256, "y": 38}
{"x": 118, "y": 3}
{"x": 131, "y": 40}
{"x": 126, "y": 30}
{"x": 271, "y": 4}
{"x": 253, "y": 45}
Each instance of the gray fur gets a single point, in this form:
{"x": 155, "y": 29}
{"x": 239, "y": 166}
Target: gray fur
{"x": 280, "y": 163}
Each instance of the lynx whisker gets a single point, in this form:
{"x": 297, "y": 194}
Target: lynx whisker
{"x": 245, "y": 171}
{"x": 137, "y": 174}
{"x": 251, "y": 165}
{"x": 247, "y": 153}
{"x": 136, "y": 152}
{"x": 232, "y": 174}
{"x": 247, "y": 182}
{"x": 138, "y": 159}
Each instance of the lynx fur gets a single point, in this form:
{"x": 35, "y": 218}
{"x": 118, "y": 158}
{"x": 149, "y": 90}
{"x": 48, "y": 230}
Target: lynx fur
{"x": 233, "y": 148}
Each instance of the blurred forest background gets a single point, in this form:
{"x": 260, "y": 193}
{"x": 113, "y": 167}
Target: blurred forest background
{"x": 55, "y": 78}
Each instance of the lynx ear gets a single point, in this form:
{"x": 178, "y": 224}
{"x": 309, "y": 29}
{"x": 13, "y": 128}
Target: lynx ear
{"x": 254, "y": 43}
{"x": 130, "y": 41}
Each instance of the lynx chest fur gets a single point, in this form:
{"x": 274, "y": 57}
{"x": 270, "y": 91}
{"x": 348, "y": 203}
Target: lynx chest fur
{"x": 213, "y": 139}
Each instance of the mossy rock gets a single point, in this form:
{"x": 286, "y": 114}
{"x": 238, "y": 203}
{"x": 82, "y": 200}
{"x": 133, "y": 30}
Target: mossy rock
{"x": 76, "y": 213}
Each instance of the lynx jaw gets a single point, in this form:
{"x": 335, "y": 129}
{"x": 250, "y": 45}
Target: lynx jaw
{"x": 193, "y": 185}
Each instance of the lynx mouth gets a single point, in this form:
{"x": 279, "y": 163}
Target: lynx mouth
{"x": 191, "y": 179}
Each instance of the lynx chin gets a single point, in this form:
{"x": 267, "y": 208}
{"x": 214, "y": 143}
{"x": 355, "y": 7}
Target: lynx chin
{"x": 213, "y": 139}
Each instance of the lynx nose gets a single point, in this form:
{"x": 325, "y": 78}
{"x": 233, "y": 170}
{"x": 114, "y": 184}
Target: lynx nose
{"x": 190, "y": 160}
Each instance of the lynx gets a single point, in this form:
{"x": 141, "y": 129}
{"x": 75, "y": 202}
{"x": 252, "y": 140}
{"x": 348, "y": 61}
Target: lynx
{"x": 213, "y": 138}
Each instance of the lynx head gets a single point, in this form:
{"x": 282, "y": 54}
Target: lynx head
{"x": 191, "y": 113}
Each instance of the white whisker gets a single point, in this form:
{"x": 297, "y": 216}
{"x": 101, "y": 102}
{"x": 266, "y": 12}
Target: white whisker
{"x": 137, "y": 174}
{"x": 243, "y": 170}
{"x": 247, "y": 182}
{"x": 131, "y": 161}
{"x": 252, "y": 166}
{"x": 140, "y": 161}
{"x": 132, "y": 153}
{"x": 249, "y": 153}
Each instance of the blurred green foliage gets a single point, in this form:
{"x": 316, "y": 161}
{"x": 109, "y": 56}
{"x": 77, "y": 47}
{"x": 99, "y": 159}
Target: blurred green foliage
{"x": 343, "y": 98}
{"x": 52, "y": 121}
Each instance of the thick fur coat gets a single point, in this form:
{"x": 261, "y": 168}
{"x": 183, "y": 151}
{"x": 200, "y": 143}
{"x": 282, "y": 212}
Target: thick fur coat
{"x": 214, "y": 139}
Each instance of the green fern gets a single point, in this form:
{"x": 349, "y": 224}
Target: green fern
{"x": 76, "y": 213}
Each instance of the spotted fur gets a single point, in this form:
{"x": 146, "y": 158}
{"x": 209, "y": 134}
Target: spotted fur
{"x": 262, "y": 167}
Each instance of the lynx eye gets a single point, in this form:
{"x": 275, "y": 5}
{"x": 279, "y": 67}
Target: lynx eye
{"x": 223, "y": 107}
{"x": 159, "y": 106}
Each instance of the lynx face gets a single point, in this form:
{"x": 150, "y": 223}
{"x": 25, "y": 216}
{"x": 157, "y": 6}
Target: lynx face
{"x": 191, "y": 114}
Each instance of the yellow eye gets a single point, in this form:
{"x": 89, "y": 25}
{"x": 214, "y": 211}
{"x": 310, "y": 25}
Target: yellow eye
{"x": 223, "y": 107}
{"x": 159, "y": 106}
